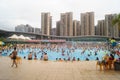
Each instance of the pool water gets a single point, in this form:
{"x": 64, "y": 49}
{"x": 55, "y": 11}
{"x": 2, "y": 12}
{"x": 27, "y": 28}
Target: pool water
{"x": 65, "y": 53}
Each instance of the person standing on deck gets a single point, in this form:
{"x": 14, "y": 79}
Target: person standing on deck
{"x": 14, "y": 56}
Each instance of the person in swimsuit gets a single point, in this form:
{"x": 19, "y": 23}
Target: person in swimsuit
{"x": 45, "y": 57}
{"x": 14, "y": 56}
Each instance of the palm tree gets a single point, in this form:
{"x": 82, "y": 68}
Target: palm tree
{"x": 116, "y": 21}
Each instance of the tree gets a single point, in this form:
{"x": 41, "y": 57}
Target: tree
{"x": 116, "y": 20}
{"x": 2, "y": 39}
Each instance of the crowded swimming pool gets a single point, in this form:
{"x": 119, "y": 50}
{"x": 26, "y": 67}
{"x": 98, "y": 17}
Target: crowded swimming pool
{"x": 61, "y": 52}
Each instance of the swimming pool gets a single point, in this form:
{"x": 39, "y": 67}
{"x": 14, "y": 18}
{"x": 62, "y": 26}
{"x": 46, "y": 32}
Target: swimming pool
{"x": 63, "y": 53}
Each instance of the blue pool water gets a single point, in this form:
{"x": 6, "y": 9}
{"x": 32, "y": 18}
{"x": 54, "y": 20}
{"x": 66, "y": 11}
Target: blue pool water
{"x": 53, "y": 54}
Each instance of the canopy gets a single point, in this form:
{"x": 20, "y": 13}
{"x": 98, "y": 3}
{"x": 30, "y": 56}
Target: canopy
{"x": 14, "y": 36}
{"x": 27, "y": 38}
{"x": 21, "y": 37}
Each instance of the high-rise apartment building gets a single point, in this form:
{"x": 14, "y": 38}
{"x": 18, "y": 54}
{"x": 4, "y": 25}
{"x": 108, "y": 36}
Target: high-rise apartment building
{"x": 63, "y": 25}
{"x": 96, "y": 30}
{"x": 87, "y": 23}
{"x": 76, "y": 28}
{"x": 111, "y": 30}
{"x": 66, "y": 24}
{"x": 59, "y": 28}
{"x": 70, "y": 23}
{"x": 101, "y": 28}
{"x": 46, "y": 23}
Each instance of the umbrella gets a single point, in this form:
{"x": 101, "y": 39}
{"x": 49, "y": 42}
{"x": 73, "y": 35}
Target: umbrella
{"x": 2, "y": 43}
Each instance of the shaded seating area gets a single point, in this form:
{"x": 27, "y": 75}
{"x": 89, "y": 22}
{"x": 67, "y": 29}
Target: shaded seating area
{"x": 21, "y": 37}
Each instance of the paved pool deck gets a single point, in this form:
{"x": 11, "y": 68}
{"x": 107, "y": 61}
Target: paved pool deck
{"x": 51, "y": 70}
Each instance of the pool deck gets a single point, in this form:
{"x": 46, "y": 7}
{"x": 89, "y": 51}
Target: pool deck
{"x": 51, "y": 70}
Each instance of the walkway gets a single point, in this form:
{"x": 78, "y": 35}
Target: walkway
{"x": 40, "y": 70}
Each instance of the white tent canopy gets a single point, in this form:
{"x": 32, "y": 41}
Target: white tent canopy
{"x": 14, "y": 36}
{"x": 27, "y": 38}
{"x": 21, "y": 37}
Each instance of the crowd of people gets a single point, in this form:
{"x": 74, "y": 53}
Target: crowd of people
{"x": 65, "y": 52}
{"x": 61, "y": 52}
{"x": 67, "y": 49}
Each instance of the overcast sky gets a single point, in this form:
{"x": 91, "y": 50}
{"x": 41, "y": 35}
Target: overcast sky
{"x": 15, "y": 12}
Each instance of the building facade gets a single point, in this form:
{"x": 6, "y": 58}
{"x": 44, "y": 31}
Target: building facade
{"x": 53, "y": 31}
{"x": 69, "y": 23}
{"x": 37, "y": 31}
{"x": 101, "y": 28}
{"x": 24, "y": 28}
{"x": 63, "y": 25}
{"x": 46, "y": 23}
{"x": 87, "y": 23}
{"x": 66, "y": 24}
{"x": 111, "y": 30}
{"x": 20, "y": 28}
{"x": 76, "y": 28}
{"x": 60, "y": 28}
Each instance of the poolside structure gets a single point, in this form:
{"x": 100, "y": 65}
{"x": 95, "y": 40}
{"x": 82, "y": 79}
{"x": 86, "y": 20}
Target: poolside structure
{"x": 97, "y": 38}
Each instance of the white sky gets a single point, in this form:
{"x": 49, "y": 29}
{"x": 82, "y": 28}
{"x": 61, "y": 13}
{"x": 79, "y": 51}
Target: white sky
{"x": 15, "y": 12}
